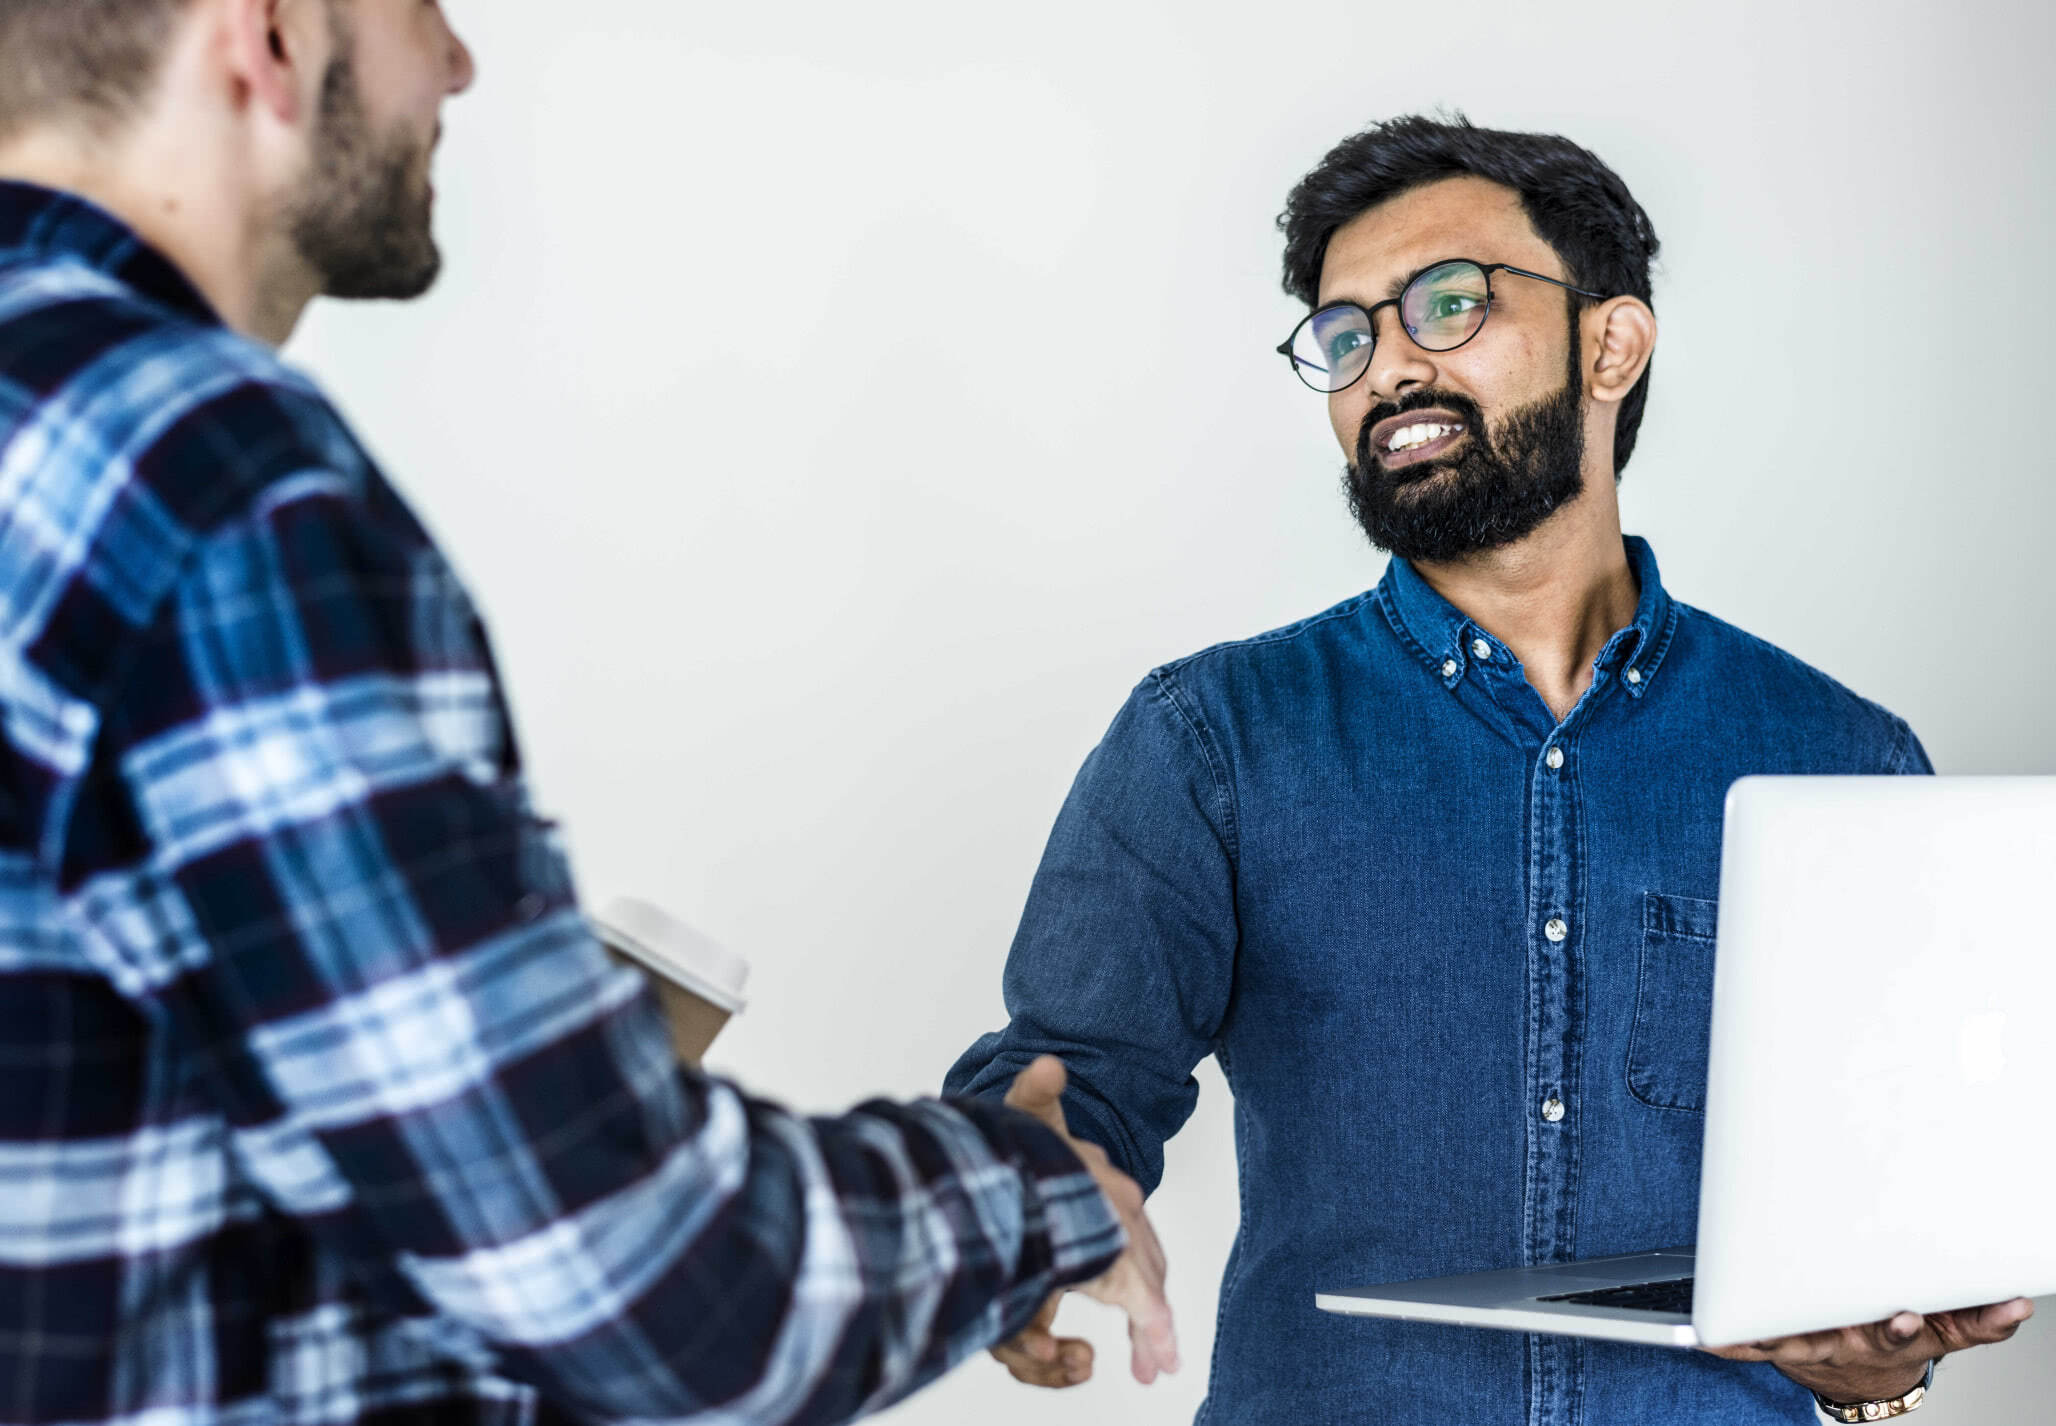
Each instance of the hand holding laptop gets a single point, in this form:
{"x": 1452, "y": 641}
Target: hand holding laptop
{"x": 1877, "y": 967}
{"x": 1881, "y": 1360}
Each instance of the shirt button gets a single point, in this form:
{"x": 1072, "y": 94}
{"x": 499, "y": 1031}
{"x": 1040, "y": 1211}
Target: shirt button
{"x": 1555, "y": 759}
{"x": 1481, "y": 651}
{"x": 1556, "y": 930}
{"x": 1552, "y": 1109}
{"x": 1634, "y": 675}
{"x": 530, "y": 906}
{"x": 1449, "y": 668}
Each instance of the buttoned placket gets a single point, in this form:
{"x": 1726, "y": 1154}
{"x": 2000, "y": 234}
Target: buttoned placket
{"x": 1488, "y": 680}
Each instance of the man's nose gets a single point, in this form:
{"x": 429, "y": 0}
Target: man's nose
{"x": 463, "y": 68}
{"x": 1397, "y": 365}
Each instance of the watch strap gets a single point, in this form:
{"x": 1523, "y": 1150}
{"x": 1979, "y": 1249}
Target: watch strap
{"x": 1877, "y": 1410}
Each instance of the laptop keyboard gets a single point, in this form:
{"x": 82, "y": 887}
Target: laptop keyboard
{"x": 1672, "y": 1296}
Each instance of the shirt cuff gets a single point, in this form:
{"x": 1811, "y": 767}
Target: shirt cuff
{"x": 1069, "y": 1233}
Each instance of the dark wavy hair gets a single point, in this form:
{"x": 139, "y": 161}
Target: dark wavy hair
{"x": 1577, "y": 205}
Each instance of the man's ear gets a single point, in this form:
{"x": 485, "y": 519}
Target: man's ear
{"x": 277, "y": 51}
{"x": 1627, "y": 339}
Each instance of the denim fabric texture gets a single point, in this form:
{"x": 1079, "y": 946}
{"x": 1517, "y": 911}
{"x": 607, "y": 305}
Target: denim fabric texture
{"x": 319, "y": 1104}
{"x": 1341, "y": 858}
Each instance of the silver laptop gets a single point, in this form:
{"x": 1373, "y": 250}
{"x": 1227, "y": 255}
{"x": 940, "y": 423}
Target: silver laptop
{"x": 1883, "y": 1057}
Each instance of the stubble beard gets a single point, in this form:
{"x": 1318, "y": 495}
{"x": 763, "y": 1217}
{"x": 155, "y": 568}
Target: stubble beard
{"x": 364, "y": 221}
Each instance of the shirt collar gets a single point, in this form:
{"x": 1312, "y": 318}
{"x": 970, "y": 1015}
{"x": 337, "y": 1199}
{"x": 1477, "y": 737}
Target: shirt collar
{"x": 1441, "y": 635}
{"x": 41, "y": 223}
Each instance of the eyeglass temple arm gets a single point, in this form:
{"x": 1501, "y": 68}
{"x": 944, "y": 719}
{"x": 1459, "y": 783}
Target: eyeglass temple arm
{"x": 1557, "y": 281}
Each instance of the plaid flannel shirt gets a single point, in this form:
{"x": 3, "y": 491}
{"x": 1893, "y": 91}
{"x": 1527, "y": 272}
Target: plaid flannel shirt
{"x": 318, "y": 1102}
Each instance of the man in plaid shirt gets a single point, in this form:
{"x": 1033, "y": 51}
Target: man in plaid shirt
{"x": 318, "y": 1103}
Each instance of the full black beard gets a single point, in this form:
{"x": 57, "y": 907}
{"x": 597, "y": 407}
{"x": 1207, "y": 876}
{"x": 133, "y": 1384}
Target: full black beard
{"x": 1493, "y": 491}
{"x": 364, "y": 222}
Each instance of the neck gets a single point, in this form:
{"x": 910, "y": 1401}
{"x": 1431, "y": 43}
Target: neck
{"x": 1555, "y": 597}
{"x": 181, "y": 181}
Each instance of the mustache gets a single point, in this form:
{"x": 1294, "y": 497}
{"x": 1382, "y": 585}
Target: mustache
{"x": 1461, "y": 406}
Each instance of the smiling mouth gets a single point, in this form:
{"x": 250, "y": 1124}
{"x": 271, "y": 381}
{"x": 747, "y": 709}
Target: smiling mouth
{"x": 1419, "y": 443}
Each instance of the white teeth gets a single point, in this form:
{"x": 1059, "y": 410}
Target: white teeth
{"x": 1407, "y": 437}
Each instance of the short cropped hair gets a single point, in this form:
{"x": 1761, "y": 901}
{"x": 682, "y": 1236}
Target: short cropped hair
{"x": 82, "y": 61}
{"x": 1576, "y": 203}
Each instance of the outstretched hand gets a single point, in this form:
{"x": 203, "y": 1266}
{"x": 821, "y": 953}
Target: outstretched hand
{"x": 1882, "y": 1360}
{"x": 1135, "y": 1283}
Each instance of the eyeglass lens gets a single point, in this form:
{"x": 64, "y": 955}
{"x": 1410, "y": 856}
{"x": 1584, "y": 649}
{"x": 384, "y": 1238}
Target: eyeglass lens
{"x": 1441, "y": 310}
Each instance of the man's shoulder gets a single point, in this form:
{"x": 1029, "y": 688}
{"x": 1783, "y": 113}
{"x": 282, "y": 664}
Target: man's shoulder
{"x": 132, "y": 435}
{"x": 116, "y": 400}
{"x": 1314, "y": 640}
{"x": 1739, "y": 659}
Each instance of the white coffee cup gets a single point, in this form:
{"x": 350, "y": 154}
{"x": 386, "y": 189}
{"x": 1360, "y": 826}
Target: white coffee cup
{"x": 699, "y": 981}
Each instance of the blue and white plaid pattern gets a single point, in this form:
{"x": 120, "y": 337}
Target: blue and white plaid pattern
{"x": 318, "y": 1103}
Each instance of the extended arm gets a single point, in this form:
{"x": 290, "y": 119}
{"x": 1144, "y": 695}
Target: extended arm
{"x": 306, "y": 845}
{"x": 1125, "y": 958}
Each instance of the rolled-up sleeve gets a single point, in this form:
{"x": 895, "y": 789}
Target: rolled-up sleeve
{"x": 1125, "y": 958}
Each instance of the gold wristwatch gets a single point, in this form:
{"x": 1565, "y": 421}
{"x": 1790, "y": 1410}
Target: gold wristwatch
{"x": 1877, "y": 1410}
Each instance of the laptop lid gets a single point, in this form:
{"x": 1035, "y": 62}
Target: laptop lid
{"x": 1882, "y": 1078}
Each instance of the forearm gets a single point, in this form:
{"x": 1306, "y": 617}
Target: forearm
{"x": 825, "y": 1267}
{"x": 1124, "y": 962}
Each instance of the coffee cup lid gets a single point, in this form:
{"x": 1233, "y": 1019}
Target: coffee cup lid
{"x": 672, "y": 949}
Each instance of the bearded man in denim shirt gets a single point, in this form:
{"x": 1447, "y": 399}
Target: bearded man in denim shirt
{"x": 1433, "y": 873}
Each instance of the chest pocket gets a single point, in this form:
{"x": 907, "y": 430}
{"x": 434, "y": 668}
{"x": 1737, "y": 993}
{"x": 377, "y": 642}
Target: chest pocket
{"x": 1673, "y": 1002}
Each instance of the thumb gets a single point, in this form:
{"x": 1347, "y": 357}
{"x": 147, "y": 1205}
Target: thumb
{"x": 1039, "y": 1090}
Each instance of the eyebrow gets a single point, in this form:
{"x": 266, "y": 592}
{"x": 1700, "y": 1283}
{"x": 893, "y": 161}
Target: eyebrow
{"x": 1398, "y": 285}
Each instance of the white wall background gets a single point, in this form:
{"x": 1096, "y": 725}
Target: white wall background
{"x": 838, "y": 407}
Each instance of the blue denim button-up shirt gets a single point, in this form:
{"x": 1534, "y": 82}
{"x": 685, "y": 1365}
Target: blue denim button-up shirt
{"x": 1343, "y": 858}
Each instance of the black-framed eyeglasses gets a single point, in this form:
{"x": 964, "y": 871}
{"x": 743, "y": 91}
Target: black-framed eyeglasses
{"x": 1442, "y": 307}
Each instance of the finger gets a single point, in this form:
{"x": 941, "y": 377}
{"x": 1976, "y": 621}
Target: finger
{"x": 1062, "y": 1372}
{"x": 2006, "y": 1316}
{"x": 1150, "y": 1335}
{"x": 1036, "y": 1342}
{"x": 1036, "y": 1373}
{"x": 1040, "y": 1324}
{"x": 1076, "y": 1360}
{"x": 1039, "y": 1090}
{"x": 1980, "y": 1326}
{"x": 1153, "y": 1346}
{"x": 1152, "y": 1338}
{"x": 1139, "y": 1291}
{"x": 1135, "y": 1284}
{"x": 1888, "y": 1339}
